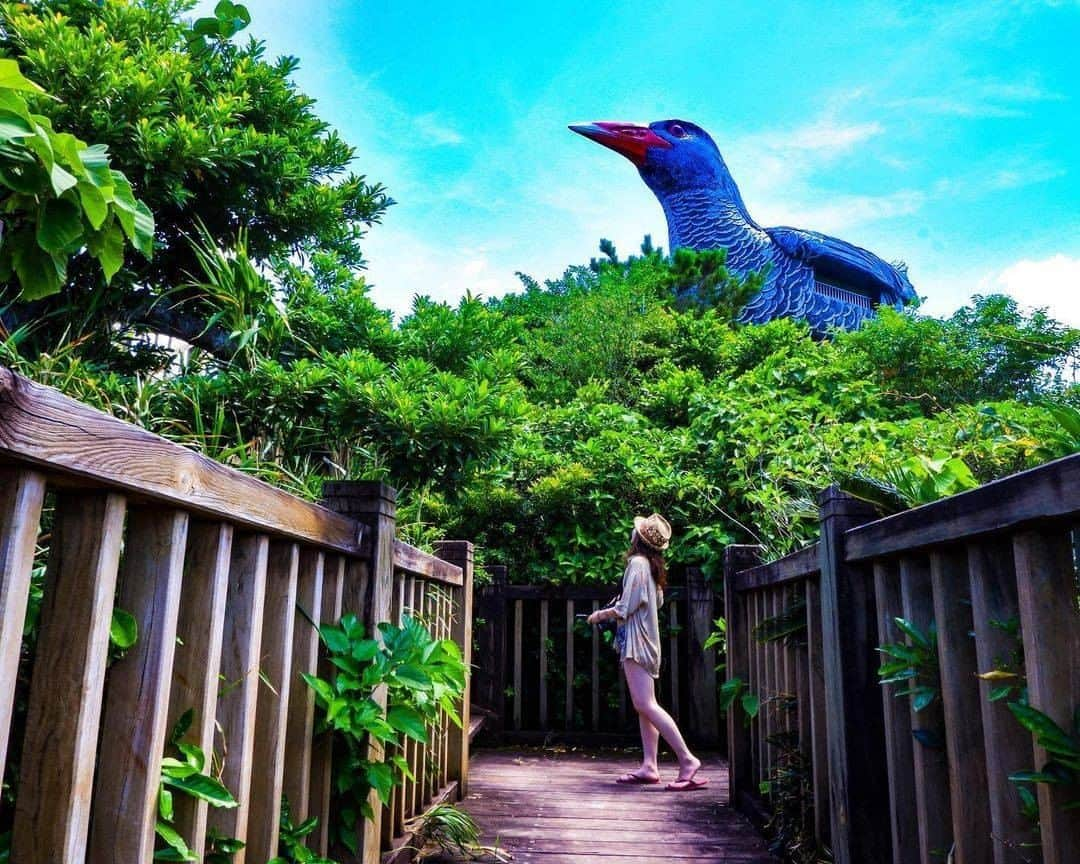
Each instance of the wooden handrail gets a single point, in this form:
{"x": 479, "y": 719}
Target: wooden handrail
{"x": 1046, "y": 492}
{"x": 225, "y": 577}
{"x": 936, "y": 776}
{"x": 791, "y": 568}
{"x": 74, "y": 441}
{"x": 419, "y": 563}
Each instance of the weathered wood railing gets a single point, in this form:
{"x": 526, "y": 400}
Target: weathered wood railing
{"x": 1006, "y": 552}
{"x": 430, "y": 590}
{"x": 786, "y": 674}
{"x": 543, "y": 672}
{"x": 213, "y": 565}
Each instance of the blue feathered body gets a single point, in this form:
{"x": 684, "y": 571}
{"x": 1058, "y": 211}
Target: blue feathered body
{"x": 822, "y": 280}
{"x": 841, "y": 291}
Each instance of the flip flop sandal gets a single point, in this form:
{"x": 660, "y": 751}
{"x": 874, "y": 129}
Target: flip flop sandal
{"x": 688, "y": 785}
{"x": 631, "y": 779}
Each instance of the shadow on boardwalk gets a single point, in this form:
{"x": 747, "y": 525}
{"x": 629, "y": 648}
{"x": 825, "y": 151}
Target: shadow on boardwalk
{"x": 557, "y": 808}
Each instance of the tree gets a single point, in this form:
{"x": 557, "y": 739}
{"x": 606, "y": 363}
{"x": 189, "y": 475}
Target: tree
{"x": 208, "y": 130}
{"x": 57, "y": 197}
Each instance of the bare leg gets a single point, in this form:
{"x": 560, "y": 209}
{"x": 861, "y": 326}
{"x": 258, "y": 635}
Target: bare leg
{"x": 643, "y": 693}
{"x": 650, "y": 745}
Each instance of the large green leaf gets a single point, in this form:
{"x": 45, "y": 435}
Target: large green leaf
{"x": 381, "y": 778}
{"x": 20, "y": 171}
{"x": 1047, "y": 733}
{"x": 409, "y": 721}
{"x": 95, "y": 160}
{"x": 175, "y": 842}
{"x": 365, "y": 650}
{"x": 60, "y": 226}
{"x": 322, "y": 688}
{"x": 335, "y": 638}
{"x": 911, "y": 631}
{"x": 134, "y": 216}
{"x": 13, "y": 126}
{"x": 12, "y": 79}
{"x": 108, "y": 247}
{"x": 203, "y": 787}
{"x": 412, "y": 676}
{"x": 194, "y": 754}
{"x": 94, "y": 204}
{"x": 15, "y": 103}
{"x": 39, "y": 272}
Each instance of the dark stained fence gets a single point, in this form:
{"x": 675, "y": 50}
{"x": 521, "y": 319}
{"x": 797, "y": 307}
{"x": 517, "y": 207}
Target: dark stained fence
{"x": 891, "y": 783}
{"x": 544, "y": 673}
{"x": 213, "y": 565}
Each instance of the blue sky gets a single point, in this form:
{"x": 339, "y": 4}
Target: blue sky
{"x": 946, "y": 134}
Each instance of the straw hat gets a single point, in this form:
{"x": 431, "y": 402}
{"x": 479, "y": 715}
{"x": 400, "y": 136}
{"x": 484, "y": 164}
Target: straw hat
{"x": 654, "y": 530}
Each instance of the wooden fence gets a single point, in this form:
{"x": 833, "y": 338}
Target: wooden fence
{"x": 890, "y": 783}
{"x": 544, "y": 673}
{"x": 213, "y": 565}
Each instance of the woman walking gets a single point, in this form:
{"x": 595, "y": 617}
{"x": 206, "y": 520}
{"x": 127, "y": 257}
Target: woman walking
{"x": 638, "y": 641}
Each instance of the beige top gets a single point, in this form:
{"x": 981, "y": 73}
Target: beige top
{"x": 636, "y": 609}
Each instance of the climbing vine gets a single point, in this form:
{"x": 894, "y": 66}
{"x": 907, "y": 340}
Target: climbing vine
{"x": 422, "y": 676}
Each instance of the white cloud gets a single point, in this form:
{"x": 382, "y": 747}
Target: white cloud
{"x": 436, "y": 132}
{"x": 775, "y": 170}
{"x": 837, "y": 213}
{"x": 826, "y": 137}
{"x": 401, "y": 265}
{"x": 981, "y": 97}
{"x": 1052, "y": 282}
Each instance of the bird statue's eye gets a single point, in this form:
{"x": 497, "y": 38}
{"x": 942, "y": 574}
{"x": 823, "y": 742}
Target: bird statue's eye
{"x": 677, "y": 130}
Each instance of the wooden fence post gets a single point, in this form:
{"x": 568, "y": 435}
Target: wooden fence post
{"x": 740, "y": 775}
{"x": 22, "y": 494}
{"x": 701, "y": 661}
{"x": 375, "y": 505}
{"x": 241, "y": 651}
{"x": 137, "y": 687}
{"x": 1050, "y": 623}
{"x": 854, "y": 720}
{"x": 52, "y": 814}
{"x": 491, "y": 607}
{"x": 460, "y": 552}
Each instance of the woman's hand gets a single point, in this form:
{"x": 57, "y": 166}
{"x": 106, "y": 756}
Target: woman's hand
{"x": 598, "y": 616}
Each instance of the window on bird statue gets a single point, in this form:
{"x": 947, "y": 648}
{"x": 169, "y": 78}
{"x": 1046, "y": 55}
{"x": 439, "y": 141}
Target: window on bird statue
{"x": 844, "y": 295}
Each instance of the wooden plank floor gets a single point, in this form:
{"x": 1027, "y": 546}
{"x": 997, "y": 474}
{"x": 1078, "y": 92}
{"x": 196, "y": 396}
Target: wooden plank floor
{"x": 548, "y": 807}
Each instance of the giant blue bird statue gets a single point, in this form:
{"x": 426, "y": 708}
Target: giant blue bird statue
{"x": 822, "y": 280}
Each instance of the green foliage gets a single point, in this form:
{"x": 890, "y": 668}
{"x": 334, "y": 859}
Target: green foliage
{"x": 914, "y": 661}
{"x": 422, "y": 677}
{"x": 291, "y": 840}
{"x": 186, "y": 773}
{"x": 123, "y": 631}
{"x": 701, "y": 281}
{"x": 1062, "y": 746}
{"x": 446, "y": 828}
{"x": 1062, "y": 439}
{"x": 207, "y": 127}
{"x": 1007, "y": 677}
{"x": 58, "y": 197}
{"x": 790, "y": 621}
{"x": 789, "y": 789}
{"x": 986, "y": 351}
{"x": 734, "y": 691}
{"x": 919, "y": 479}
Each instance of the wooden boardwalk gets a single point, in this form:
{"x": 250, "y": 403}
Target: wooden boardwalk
{"x": 565, "y": 808}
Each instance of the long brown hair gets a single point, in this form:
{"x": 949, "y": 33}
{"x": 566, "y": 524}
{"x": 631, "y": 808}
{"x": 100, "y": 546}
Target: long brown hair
{"x": 654, "y": 556}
